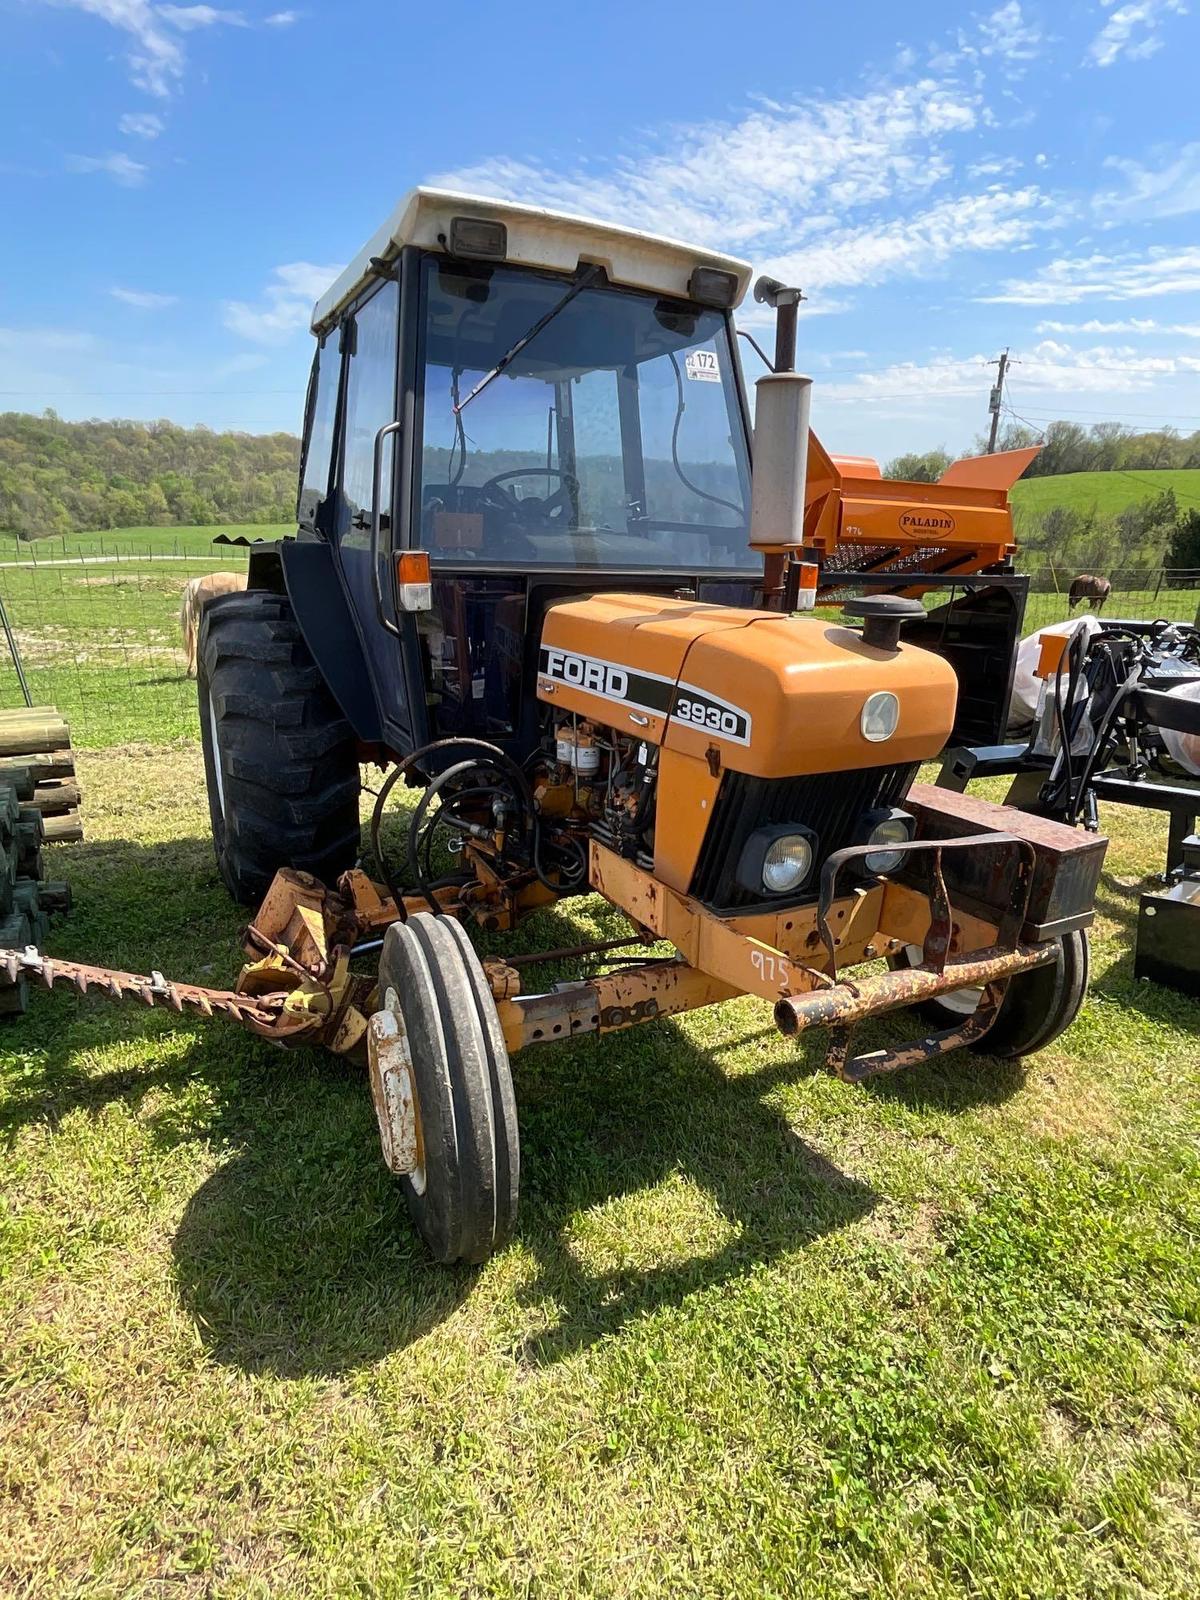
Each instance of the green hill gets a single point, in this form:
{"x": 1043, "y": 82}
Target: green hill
{"x": 1105, "y": 493}
{"x": 59, "y": 478}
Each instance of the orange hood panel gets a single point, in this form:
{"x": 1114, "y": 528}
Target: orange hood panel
{"x": 773, "y": 696}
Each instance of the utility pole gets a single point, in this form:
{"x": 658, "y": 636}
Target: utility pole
{"x": 996, "y": 399}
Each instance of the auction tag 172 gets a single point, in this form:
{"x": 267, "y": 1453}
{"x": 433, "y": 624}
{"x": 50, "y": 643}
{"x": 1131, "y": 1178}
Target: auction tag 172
{"x": 702, "y": 366}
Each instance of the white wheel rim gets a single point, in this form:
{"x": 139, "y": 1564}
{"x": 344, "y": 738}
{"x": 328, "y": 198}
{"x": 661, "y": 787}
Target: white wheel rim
{"x": 962, "y": 1002}
{"x": 216, "y": 755}
{"x": 391, "y": 1098}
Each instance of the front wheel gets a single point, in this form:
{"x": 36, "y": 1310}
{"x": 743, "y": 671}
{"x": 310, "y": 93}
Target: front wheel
{"x": 1037, "y": 1006}
{"x": 443, "y": 1091}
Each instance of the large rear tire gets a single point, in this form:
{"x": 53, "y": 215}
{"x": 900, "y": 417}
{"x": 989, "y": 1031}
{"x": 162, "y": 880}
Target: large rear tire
{"x": 462, "y": 1191}
{"x": 280, "y": 760}
{"x": 1037, "y": 1006}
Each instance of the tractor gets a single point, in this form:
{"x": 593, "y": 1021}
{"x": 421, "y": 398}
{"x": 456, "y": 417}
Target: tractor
{"x": 536, "y": 578}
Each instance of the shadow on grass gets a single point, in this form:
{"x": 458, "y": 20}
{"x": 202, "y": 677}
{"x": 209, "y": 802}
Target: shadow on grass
{"x": 296, "y": 1255}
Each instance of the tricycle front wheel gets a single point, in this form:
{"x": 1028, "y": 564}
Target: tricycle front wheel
{"x": 1037, "y": 1006}
{"x": 443, "y": 1089}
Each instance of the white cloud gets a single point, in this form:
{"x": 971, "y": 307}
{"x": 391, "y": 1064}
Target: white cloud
{"x": 913, "y": 246}
{"x": 281, "y": 19}
{"x": 1137, "y": 325}
{"x": 780, "y": 171}
{"x": 156, "y": 56}
{"x": 141, "y": 124}
{"x": 156, "y": 59}
{"x": 1132, "y": 31}
{"x": 1006, "y": 33}
{"x": 144, "y": 299}
{"x": 994, "y": 167}
{"x": 286, "y": 304}
{"x": 1050, "y": 368}
{"x": 1163, "y": 269}
{"x": 1170, "y": 190}
{"x": 116, "y": 165}
{"x": 188, "y": 18}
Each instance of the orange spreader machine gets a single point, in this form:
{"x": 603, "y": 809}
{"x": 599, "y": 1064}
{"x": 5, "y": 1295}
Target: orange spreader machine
{"x": 951, "y": 542}
{"x": 861, "y": 523}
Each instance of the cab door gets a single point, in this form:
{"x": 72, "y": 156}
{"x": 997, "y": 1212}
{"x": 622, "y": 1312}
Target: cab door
{"x": 370, "y": 338}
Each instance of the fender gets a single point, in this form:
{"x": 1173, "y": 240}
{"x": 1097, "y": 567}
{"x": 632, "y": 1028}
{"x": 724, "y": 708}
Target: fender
{"x": 327, "y": 627}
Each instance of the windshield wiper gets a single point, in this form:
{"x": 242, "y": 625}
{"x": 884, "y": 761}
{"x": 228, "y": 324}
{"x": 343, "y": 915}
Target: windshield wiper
{"x": 584, "y": 281}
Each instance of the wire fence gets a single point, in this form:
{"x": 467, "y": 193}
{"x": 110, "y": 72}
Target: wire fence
{"x": 99, "y": 634}
{"x": 97, "y": 625}
{"x": 1138, "y": 593}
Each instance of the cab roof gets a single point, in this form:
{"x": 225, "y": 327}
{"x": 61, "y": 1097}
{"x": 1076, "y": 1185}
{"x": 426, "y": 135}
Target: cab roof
{"x": 553, "y": 240}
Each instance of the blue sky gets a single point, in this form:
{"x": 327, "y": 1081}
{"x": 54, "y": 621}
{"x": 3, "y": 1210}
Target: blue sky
{"x": 179, "y": 181}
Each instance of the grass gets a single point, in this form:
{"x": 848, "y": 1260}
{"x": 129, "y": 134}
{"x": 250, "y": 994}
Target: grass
{"x": 1103, "y": 492}
{"x": 759, "y": 1334}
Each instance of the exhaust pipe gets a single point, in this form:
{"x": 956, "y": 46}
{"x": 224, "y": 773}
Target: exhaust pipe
{"x": 782, "y": 408}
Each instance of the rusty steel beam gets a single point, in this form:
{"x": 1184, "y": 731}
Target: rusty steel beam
{"x": 844, "y": 1004}
{"x": 610, "y": 1002}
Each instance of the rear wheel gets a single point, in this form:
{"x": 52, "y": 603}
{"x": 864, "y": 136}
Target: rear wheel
{"x": 280, "y": 760}
{"x": 443, "y": 1090}
{"x": 1037, "y": 1006}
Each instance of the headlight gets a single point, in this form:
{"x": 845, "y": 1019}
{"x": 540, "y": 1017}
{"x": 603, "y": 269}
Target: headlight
{"x": 880, "y": 714}
{"x": 777, "y": 860}
{"x": 787, "y": 863}
{"x": 884, "y": 828}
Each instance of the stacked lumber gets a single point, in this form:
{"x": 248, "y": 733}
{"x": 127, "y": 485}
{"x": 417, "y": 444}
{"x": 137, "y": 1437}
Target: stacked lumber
{"x": 37, "y": 761}
{"x": 39, "y": 804}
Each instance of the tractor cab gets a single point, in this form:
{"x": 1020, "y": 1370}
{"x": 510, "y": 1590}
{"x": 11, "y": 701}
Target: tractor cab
{"x": 516, "y": 407}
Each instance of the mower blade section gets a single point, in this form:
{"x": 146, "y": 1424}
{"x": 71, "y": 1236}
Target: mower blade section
{"x": 261, "y": 1014}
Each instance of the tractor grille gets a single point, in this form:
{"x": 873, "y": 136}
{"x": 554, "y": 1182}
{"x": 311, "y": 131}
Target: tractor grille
{"x": 830, "y": 803}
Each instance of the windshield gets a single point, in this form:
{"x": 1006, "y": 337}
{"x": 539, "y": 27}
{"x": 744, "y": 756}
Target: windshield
{"x": 612, "y": 436}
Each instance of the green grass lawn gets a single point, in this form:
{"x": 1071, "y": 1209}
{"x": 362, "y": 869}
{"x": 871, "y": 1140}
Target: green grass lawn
{"x": 758, "y": 1334}
{"x": 1103, "y": 492}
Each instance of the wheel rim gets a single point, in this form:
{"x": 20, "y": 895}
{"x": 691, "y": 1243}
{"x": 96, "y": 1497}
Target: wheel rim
{"x": 214, "y": 741}
{"x": 394, "y": 1093}
{"x": 962, "y": 1002}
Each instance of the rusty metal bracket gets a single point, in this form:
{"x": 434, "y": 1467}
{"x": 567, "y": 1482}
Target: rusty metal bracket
{"x": 855, "y": 1069}
{"x": 937, "y": 940}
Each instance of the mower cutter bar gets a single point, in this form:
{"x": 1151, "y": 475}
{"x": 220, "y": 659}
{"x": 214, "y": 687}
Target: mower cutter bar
{"x": 263, "y": 1012}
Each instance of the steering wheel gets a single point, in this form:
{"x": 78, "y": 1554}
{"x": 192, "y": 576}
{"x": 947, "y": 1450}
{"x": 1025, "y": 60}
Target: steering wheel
{"x": 530, "y": 512}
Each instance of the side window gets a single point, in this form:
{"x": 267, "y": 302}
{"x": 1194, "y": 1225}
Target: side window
{"x": 318, "y": 438}
{"x": 370, "y": 404}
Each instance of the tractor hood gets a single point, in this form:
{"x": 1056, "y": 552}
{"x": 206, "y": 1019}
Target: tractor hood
{"x": 772, "y": 696}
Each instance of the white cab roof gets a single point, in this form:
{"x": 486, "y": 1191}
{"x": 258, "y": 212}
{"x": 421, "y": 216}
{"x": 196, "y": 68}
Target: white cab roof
{"x": 552, "y": 240}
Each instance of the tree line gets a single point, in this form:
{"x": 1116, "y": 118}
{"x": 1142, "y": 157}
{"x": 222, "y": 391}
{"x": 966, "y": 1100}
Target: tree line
{"x": 1066, "y": 447}
{"x": 67, "y": 477}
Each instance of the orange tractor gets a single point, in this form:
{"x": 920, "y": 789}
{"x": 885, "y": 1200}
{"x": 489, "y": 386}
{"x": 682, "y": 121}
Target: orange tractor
{"x": 535, "y": 575}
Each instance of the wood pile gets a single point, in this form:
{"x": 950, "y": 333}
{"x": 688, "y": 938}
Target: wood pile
{"x": 39, "y": 804}
{"x": 37, "y": 760}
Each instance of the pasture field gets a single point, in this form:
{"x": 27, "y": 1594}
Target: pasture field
{"x": 1103, "y": 492}
{"x": 102, "y": 641}
{"x": 759, "y": 1334}
{"x": 97, "y": 622}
